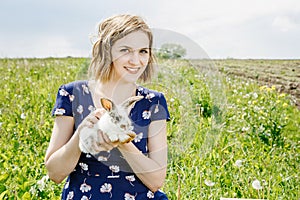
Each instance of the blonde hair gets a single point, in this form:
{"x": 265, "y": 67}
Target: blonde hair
{"x": 109, "y": 31}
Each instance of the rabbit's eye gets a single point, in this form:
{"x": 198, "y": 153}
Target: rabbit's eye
{"x": 123, "y": 126}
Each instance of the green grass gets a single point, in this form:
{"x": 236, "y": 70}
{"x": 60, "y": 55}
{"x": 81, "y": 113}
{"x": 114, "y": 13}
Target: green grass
{"x": 215, "y": 122}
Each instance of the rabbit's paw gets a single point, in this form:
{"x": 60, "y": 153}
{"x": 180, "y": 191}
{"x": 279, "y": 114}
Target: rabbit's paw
{"x": 113, "y": 137}
{"x": 128, "y": 137}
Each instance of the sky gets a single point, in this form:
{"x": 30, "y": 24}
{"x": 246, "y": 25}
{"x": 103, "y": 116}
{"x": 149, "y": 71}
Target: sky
{"x": 254, "y": 29}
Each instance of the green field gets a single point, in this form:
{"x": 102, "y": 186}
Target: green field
{"x": 230, "y": 135}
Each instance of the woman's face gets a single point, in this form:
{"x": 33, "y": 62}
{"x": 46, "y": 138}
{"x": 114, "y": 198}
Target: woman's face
{"x": 130, "y": 56}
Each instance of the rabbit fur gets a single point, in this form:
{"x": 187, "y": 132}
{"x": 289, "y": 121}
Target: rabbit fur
{"x": 115, "y": 123}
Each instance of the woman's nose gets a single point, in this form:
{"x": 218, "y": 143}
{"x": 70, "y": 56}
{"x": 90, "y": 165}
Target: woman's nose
{"x": 134, "y": 58}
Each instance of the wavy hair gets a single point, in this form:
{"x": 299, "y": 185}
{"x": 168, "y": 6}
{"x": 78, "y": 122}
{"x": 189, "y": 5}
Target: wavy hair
{"x": 109, "y": 31}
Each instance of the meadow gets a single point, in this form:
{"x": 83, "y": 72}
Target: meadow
{"x": 229, "y": 135}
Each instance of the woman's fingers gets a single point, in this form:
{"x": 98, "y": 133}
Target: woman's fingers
{"x": 98, "y": 113}
{"x": 93, "y": 118}
{"x": 105, "y": 142}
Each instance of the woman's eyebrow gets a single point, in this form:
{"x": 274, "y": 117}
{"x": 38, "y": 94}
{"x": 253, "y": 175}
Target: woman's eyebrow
{"x": 129, "y": 47}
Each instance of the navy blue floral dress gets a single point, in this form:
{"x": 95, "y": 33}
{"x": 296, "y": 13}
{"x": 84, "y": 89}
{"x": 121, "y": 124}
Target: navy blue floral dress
{"x": 108, "y": 175}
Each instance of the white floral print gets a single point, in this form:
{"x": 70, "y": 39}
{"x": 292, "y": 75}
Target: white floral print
{"x": 63, "y": 92}
{"x": 156, "y": 110}
{"x": 129, "y": 196}
{"x": 146, "y": 114}
{"x": 114, "y": 168}
{"x": 88, "y": 155}
{"x": 91, "y": 108}
{"x": 131, "y": 179}
{"x": 102, "y": 158}
{"x": 67, "y": 185}
{"x": 80, "y": 109}
{"x": 84, "y": 198}
{"x": 150, "y": 195}
{"x": 70, "y": 195}
{"x": 106, "y": 188}
{"x": 85, "y": 89}
{"x": 84, "y": 166}
{"x": 85, "y": 187}
{"x": 59, "y": 111}
{"x": 71, "y": 97}
{"x": 150, "y": 96}
{"x": 138, "y": 137}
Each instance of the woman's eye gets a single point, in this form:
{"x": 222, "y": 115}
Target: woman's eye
{"x": 144, "y": 51}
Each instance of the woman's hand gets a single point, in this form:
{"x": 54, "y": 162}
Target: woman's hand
{"x": 92, "y": 139}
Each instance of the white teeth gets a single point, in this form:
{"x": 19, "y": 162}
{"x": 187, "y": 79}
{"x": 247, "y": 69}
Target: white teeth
{"x": 132, "y": 69}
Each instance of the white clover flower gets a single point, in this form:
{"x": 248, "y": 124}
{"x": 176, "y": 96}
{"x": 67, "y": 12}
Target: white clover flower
{"x": 42, "y": 182}
{"x": 33, "y": 190}
{"x": 23, "y": 116}
{"x": 255, "y": 95}
{"x": 256, "y": 185}
{"x": 246, "y": 96}
{"x": 238, "y": 163}
{"x": 244, "y": 129}
{"x": 209, "y": 183}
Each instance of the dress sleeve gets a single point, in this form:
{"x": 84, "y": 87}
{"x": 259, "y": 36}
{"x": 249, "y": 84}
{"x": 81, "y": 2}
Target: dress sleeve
{"x": 159, "y": 108}
{"x": 63, "y": 104}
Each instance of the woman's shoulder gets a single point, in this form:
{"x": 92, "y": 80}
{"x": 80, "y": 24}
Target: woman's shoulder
{"x": 71, "y": 86}
{"x": 74, "y": 84}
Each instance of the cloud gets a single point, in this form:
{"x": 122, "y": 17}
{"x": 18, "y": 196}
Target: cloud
{"x": 41, "y": 46}
{"x": 222, "y": 28}
{"x": 284, "y": 23}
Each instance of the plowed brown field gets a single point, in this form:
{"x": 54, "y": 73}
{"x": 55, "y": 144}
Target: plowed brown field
{"x": 284, "y": 74}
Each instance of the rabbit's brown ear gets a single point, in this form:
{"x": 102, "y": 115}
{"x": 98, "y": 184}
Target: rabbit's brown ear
{"x": 106, "y": 104}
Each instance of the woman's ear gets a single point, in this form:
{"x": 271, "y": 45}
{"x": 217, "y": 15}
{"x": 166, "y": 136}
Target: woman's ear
{"x": 107, "y": 104}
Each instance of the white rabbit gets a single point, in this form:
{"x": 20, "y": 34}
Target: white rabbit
{"x": 115, "y": 123}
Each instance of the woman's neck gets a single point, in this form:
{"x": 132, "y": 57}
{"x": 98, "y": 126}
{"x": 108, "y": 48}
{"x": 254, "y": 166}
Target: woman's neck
{"x": 117, "y": 92}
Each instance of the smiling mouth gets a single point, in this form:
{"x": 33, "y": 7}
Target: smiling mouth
{"x": 132, "y": 70}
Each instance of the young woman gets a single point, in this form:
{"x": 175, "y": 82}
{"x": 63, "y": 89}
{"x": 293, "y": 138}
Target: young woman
{"x": 136, "y": 170}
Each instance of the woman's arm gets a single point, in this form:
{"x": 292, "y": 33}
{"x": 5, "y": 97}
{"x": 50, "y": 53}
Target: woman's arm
{"x": 63, "y": 152}
{"x": 151, "y": 170}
